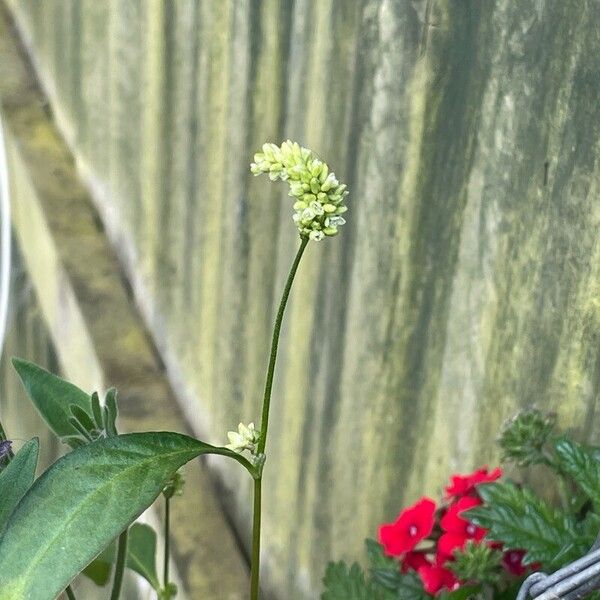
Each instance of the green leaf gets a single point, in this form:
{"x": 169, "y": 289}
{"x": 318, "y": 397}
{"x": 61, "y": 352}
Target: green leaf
{"x": 519, "y": 519}
{"x": 377, "y": 557}
{"x": 411, "y": 588}
{"x": 477, "y": 562}
{"x": 580, "y": 463}
{"x": 141, "y": 557}
{"x": 98, "y": 571}
{"x": 343, "y": 583}
{"x": 17, "y": 478}
{"x": 464, "y": 593}
{"x": 84, "y": 501}
{"x": 385, "y": 570}
{"x": 52, "y": 397}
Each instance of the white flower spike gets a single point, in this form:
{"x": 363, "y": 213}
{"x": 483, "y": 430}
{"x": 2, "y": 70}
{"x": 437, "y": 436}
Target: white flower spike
{"x": 319, "y": 195}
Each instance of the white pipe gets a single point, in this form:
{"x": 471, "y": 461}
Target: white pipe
{"x": 5, "y": 239}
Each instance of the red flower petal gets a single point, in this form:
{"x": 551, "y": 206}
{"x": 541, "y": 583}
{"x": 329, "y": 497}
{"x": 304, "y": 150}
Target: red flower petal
{"x": 461, "y": 485}
{"x": 448, "y": 543}
{"x": 453, "y": 523}
{"x": 435, "y": 579}
{"x": 512, "y": 561}
{"x": 414, "y": 561}
{"x": 413, "y": 524}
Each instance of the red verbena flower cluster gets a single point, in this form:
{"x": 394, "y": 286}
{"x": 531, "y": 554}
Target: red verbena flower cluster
{"x": 447, "y": 528}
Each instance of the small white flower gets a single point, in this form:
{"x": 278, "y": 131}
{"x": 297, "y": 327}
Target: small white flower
{"x": 316, "y": 207}
{"x": 245, "y": 438}
{"x": 336, "y": 221}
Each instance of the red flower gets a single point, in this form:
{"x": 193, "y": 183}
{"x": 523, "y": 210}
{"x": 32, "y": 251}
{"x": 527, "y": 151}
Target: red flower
{"x": 512, "y": 561}
{"x": 414, "y": 561}
{"x": 436, "y": 578}
{"x": 412, "y": 525}
{"x": 461, "y": 485}
{"x": 458, "y": 530}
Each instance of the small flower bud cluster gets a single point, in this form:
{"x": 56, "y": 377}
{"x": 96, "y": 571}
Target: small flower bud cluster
{"x": 319, "y": 195}
{"x": 523, "y": 437}
{"x": 245, "y": 438}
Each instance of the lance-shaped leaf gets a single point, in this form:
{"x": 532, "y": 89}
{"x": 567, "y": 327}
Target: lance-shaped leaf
{"x": 83, "y": 502}
{"x": 141, "y": 557}
{"x": 52, "y": 397}
{"x": 17, "y": 478}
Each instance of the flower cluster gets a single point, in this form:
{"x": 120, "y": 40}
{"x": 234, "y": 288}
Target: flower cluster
{"x": 450, "y": 532}
{"x": 5, "y": 448}
{"x": 245, "y": 438}
{"x": 319, "y": 195}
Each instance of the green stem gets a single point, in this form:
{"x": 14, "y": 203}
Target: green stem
{"x": 167, "y": 542}
{"x": 120, "y": 565}
{"x": 69, "y": 593}
{"x": 264, "y": 423}
{"x": 255, "y": 562}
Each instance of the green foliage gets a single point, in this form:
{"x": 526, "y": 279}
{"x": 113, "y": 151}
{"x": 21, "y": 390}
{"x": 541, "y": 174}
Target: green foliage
{"x": 17, "y": 478}
{"x": 141, "y": 557}
{"x": 101, "y": 422}
{"x": 386, "y": 582}
{"x": 582, "y": 466}
{"x": 53, "y": 397}
{"x": 477, "y": 562}
{"x": 523, "y": 437}
{"x": 520, "y": 519}
{"x": 344, "y": 583}
{"x": 82, "y": 502}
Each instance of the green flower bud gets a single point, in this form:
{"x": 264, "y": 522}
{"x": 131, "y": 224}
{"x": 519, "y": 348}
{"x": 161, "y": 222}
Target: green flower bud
{"x": 324, "y": 173}
{"x": 316, "y": 168}
{"x": 300, "y": 205}
{"x": 329, "y": 183}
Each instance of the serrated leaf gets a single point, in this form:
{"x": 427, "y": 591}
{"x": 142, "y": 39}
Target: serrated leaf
{"x": 519, "y": 519}
{"x": 343, "y": 583}
{"x": 377, "y": 556}
{"x": 387, "y": 577}
{"x": 349, "y": 583}
{"x": 17, "y": 478}
{"x": 52, "y": 396}
{"x": 141, "y": 557}
{"x": 84, "y": 501}
{"x": 411, "y": 588}
{"x": 580, "y": 464}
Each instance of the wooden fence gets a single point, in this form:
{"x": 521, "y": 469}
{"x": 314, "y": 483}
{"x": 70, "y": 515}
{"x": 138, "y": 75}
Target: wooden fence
{"x": 465, "y": 285}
